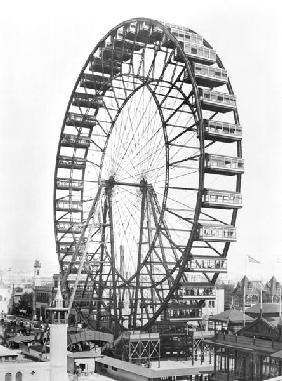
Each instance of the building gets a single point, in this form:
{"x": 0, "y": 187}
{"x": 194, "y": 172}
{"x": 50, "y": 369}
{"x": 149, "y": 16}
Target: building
{"x": 5, "y": 296}
{"x": 7, "y": 354}
{"x": 21, "y": 368}
{"x": 253, "y": 290}
{"x": 228, "y": 288}
{"x": 14, "y": 366}
{"x": 250, "y": 289}
{"x": 214, "y": 307}
{"x": 254, "y": 353}
{"x": 272, "y": 291}
{"x": 229, "y": 320}
{"x": 122, "y": 370}
{"x": 269, "y": 311}
{"x": 82, "y": 362}
{"x": 24, "y": 371}
{"x": 44, "y": 290}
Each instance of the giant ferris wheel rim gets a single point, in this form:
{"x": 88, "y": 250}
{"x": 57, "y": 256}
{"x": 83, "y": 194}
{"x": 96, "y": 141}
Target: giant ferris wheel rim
{"x": 198, "y": 111}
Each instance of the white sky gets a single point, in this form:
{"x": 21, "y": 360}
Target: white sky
{"x": 43, "y": 46}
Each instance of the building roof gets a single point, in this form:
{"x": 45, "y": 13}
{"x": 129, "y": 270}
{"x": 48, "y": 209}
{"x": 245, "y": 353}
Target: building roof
{"x": 231, "y": 316}
{"x": 143, "y": 336}
{"x": 155, "y": 373}
{"x": 22, "y": 339}
{"x": 267, "y": 308}
{"x": 84, "y": 354}
{"x": 7, "y": 352}
{"x": 277, "y": 354}
{"x": 259, "y": 336}
{"x": 261, "y": 328}
{"x": 89, "y": 335}
{"x": 274, "y": 320}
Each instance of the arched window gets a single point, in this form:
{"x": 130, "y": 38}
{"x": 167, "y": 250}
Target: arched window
{"x": 19, "y": 376}
{"x": 8, "y": 377}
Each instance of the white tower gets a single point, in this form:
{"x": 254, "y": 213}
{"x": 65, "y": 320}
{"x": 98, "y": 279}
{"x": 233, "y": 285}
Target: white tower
{"x": 58, "y": 339}
{"x": 36, "y": 283}
{"x": 37, "y": 273}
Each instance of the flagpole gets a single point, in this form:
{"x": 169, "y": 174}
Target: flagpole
{"x": 253, "y": 260}
{"x": 280, "y": 306}
{"x": 260, "y": 299}
{"x": 244, "y": 299}
{"x": 244, "y": 289}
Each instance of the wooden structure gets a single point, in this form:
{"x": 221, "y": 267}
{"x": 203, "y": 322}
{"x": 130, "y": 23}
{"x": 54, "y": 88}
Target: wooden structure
{"x": 143, "y": 347}
{"x": 254, "y": 354}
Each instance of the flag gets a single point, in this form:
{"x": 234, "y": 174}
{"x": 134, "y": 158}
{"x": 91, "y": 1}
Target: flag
{"x": 252, "y": 260}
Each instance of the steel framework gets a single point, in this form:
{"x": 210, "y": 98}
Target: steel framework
{"x": 148, "y": 177}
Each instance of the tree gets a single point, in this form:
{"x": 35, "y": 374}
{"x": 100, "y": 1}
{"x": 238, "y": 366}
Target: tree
{"x": 24, "y": 306}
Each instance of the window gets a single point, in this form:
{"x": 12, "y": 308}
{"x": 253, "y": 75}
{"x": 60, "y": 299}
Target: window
{"x": 214, "y": 97}
{"x": 194, "y": 51}
{"x": 19, "y": 376}
{"x": 8, "y": 377}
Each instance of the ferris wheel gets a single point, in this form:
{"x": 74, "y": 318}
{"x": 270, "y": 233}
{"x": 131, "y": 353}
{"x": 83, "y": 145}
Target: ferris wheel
{"x": 148, "y": 176}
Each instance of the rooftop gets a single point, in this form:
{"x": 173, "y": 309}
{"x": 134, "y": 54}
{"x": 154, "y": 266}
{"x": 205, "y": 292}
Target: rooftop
{"x": 22, "y": 339}
{"x": 7, "y": 352}
{"x": 168, "y": 368}
{"x": 231, "y": 316}
{"x": 89, "y": 335}
{"x": 247, "y": 344}
{"x": 84, "y": 354}
{"x": 267, "y": 308}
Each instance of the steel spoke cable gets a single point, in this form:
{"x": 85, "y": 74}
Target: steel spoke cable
{"x": 175, "y": 122}
{"x": 125, "y": 232}
{"x": 178, "y": 202}
{"x": 134, "y": 135}
{"x": 124, "y": 126}
{"x": 129, "y": 129}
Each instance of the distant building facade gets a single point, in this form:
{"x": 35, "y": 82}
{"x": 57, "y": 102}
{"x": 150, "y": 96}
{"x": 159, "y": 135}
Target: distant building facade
{"x": 44, "y": 289}
{"x": 5, "y": 296}
{"x": 252, "y": 290}
{"x": 272, "y": 291}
